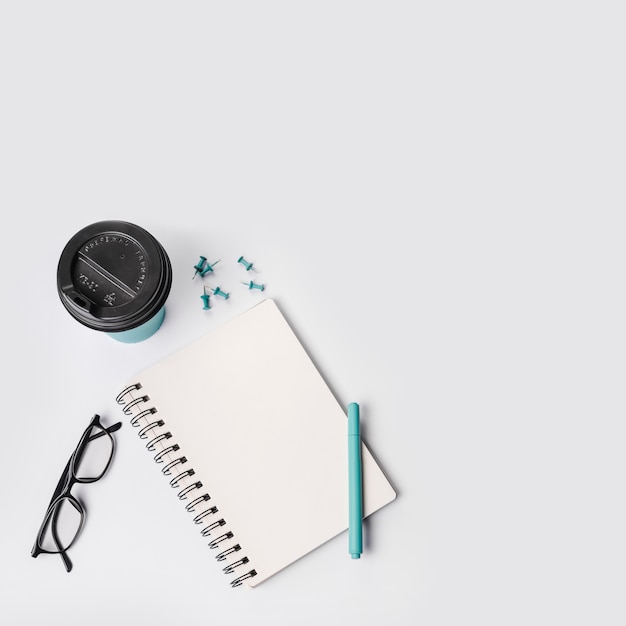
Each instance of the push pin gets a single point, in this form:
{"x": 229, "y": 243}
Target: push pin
{"x": 205, "y": 300}
{"x": 245, "y": 263}
{"x": 199, "y": 265}
{"x": 218, "y": 292}
{"x": 208, "y": 267}
{"x": 253, "y": 285}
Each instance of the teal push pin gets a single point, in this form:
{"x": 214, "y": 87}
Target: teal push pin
{"x": 218, "y": 292}
{"x": 205, "y": 301}
{"x": 199, "y": 265}
{"x": 208, "y": 267}
{"x": 253, "y": 285}
{"x": 245, "y": 263}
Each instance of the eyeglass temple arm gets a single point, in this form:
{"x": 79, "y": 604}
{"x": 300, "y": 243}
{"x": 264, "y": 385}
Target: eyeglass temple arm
{"x": 62, "y": 553}
{"x": 112, "y": 428}
{"x": 61, "y": 483}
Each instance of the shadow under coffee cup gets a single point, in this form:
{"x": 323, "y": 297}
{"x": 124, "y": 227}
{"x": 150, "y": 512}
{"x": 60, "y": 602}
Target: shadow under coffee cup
{"x": 115, "y": 277}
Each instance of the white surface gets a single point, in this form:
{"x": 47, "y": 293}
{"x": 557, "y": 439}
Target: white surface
{"x": 433, "y": 191}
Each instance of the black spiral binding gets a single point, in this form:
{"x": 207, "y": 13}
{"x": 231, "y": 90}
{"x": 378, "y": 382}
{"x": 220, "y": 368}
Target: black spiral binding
{"x": 182, "y": 494}
{"x": 143, "y": 433}
{"x": 160, "y": 439}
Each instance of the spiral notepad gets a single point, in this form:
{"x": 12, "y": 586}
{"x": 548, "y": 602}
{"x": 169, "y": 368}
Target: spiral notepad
{"x": 253, "y": 442}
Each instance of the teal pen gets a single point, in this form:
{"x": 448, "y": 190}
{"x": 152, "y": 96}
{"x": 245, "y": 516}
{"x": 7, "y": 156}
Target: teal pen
{"x": 355, "y": 483}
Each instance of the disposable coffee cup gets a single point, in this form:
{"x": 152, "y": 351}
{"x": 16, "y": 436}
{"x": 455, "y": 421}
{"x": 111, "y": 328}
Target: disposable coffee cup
{"x": 115, "y": 277}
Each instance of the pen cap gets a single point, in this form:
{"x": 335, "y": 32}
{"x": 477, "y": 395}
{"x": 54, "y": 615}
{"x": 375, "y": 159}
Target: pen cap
{"x": 354, "y": 424}
{"x": 114, "y": 276}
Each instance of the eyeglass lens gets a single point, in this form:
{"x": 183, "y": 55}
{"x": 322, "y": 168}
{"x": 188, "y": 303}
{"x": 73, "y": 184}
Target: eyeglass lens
{"x": 62, "y": 525}
{"x": 93, "y": 456}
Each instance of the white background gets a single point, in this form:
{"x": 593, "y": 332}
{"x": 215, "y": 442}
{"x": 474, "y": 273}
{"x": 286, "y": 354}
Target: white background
{"x": 433, "y": 192}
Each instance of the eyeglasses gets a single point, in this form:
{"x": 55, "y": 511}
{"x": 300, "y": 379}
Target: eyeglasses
{"x": 65, "y": 516}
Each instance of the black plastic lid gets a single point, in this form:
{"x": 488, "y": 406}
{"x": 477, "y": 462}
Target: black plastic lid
{"x": 113, "y": 276}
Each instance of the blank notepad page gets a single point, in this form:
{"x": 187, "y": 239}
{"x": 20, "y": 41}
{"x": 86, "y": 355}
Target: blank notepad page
{"x": 265, "y": 436}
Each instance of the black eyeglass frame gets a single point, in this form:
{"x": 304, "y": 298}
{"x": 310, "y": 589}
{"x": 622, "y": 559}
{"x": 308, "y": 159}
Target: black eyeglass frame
{"x": 64, "y": 486}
